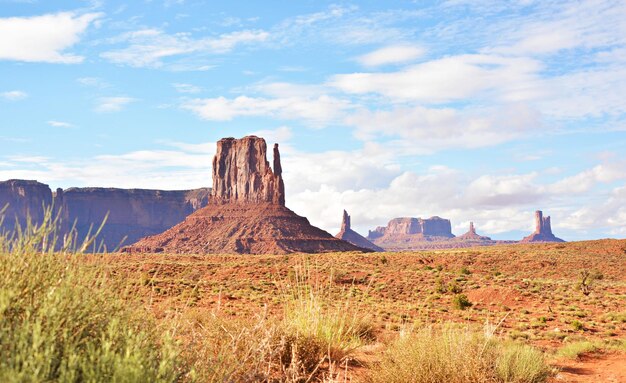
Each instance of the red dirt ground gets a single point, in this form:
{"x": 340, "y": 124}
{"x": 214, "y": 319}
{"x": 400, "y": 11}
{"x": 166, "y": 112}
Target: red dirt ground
{"x": 534, "y": 287}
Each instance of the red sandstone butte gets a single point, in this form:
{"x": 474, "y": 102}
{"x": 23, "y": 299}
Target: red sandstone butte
{"x": 543, "y": 230}
{"x": 246, "y": 213}
{"x": 347, "y": 234}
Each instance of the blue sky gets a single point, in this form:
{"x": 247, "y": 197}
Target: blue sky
{"x": 477, "y": 111}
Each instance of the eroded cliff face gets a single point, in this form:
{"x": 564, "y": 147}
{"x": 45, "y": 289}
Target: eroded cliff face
{"x": 130, "y": 214}
{"x": 24, "y": 198}
{"x": 242, "y": 174}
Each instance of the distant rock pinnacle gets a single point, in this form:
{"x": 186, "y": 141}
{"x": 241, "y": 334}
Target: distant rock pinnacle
{"x": 543, "y": 230}
{"x": 349, "y": 235}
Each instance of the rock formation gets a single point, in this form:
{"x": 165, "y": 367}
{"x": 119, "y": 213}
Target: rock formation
{"x": 132, "y": 213}
{"x": 472, "y": 236}
{"x": 242, "y": 174}
{"x": 247, "y": 212}
{"x": 349, "y": 235}
{"x": 411, "y": 233}
{"x": 24, "y": 199}
{"x": 543, "y": 230}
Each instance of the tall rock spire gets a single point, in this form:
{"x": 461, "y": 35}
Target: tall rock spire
{"x": 345, "y": 223}
{"x": 242, "y": 174}
{"x": 543, "y": 230}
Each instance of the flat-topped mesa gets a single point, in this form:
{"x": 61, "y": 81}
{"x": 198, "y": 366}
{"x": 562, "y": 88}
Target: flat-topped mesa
{"x": 433, "y": 226}
{"x": 23, "y": 199}
{"x": 242, "y": 174}
{"x": 543, "y": 230}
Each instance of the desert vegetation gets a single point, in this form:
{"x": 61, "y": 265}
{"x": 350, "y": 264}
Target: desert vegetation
{"x": 459, "y": 316}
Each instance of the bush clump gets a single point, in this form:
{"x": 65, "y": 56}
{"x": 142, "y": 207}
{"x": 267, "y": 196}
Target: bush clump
{"x": 460, "y": 302}
{"x": 63, "y": 320}
{"x": 458, "y": 355}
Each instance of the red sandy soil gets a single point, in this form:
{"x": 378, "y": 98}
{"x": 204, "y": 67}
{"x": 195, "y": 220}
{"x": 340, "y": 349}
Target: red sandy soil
{"x": 534, "y": 287}
{"x": 610, "y": 368}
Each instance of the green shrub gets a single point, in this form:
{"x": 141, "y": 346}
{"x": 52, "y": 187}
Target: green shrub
{"x": 577, "y": 325}
{"x": 576, "y": 349}
{"x": 440, "y": 286}
{"x": 65, "y": 320}
{"x": 454, "y": 288}
{"x": 460, "y": 302}
{"x": 521, "y": 363}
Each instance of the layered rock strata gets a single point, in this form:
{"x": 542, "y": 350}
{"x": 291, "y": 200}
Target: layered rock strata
{"x": 247, "y": 212}
{"x": 543, "y": 230}
{"x": 402, "y": 233}
{"x": 131, "y": 213}
{"x": 242, "y": 174}
{"x": 22, "y": 199}
{"x": 347, "y": 234}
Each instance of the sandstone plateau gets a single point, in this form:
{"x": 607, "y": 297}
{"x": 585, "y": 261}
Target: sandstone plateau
{"x": 543, "y": 230}
{"x": 347, "y": 234}
{"x": 132, "y": 213}
{"x": 246, "y": 212}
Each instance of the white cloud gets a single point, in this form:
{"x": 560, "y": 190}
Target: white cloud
{"x": 426, "y": 130}
{"x": 149, "y": 47}
{"x": 586, "y": 180}
{"x": 152, "y": 169}
{"x": 60, "y": 124}
{"x": 186, "y": 88}
{"x": 449, "y": 79}
{"x": 14, "y": 95}
{"x": 344, "y": 26}
{"x": 113, "y": 104}
{"x": 43, "y": 38}
{"x": 321, "y": 110}
{"x": 563, "y": 26}
{"x": 94, "y": 82}
{"x": 280, "y": 135}
{"x": 394, "y": 54}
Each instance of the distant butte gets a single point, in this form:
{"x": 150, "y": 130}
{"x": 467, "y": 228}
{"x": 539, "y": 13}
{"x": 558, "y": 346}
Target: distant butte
{"x": 347, "y": 234}
{"x": 246, "y": 213}
{"x": 543, "y": 230}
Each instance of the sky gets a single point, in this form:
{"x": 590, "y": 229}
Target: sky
{"x": 480, "y": 111}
